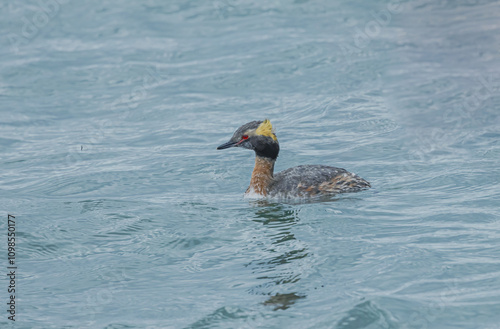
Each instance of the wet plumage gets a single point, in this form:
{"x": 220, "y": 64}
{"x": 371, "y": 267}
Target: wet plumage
{"x": 300, "y": 181}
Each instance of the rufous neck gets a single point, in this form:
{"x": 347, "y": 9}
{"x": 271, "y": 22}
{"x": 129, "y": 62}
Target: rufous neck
{"x": 262, "y": 175}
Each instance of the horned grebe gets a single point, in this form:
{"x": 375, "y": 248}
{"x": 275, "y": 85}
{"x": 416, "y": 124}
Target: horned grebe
{"x": 300, "y": 181}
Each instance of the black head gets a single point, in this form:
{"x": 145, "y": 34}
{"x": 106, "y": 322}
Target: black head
{"x": 257, "y": 136}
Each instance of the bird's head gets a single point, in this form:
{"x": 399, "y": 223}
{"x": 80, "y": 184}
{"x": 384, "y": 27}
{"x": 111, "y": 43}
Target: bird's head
{"x": 258, "y": 136}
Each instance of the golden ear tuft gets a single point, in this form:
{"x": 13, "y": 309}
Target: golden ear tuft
{"x": 266, "y": 129}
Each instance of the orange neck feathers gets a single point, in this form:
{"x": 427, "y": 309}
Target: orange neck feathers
{"x": 262, "y": 175}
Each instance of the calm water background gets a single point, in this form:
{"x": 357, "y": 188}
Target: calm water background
{"x": 127, "y": 216}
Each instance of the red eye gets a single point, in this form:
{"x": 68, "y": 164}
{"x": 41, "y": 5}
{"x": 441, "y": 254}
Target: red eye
{"x": 244, "y": 137}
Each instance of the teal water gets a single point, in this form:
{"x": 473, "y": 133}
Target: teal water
{"x": 127, "y": 216}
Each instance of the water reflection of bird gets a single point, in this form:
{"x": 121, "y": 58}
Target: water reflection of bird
{"x": 282, "y": 301}
{"x": 300, "y": 181}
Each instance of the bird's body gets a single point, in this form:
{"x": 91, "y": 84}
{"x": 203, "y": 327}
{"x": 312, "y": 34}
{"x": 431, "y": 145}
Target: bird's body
{"x": 300, "y": 181}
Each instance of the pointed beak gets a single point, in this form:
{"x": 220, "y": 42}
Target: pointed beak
{"x": 227, "y": 145}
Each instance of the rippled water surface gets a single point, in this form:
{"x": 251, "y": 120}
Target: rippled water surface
{"x": 127, "y": 216}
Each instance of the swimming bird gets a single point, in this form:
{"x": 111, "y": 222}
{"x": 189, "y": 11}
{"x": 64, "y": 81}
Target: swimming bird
{"x": 300, "y": 181}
